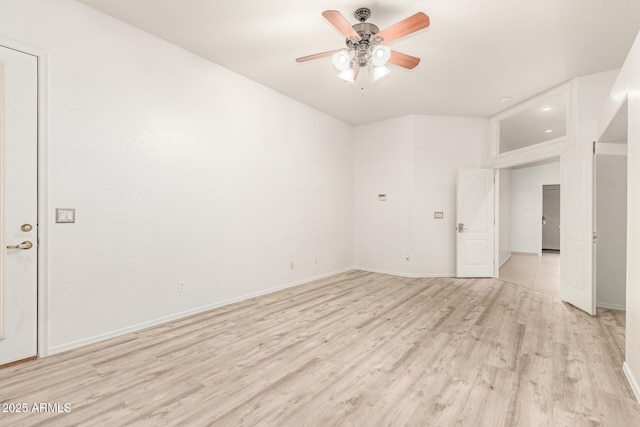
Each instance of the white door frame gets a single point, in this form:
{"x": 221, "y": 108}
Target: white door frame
{"x": 43, "y": 193}
{"x": 548, "y": 155}
{"x": 497, "y": 227}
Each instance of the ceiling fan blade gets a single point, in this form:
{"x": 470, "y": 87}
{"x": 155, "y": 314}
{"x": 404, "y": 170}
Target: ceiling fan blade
{"x": 337, "y": 20}
{"x": 403, "y": 60}
{"x": 317, "y": 55}
{"x": 405, "y": 27}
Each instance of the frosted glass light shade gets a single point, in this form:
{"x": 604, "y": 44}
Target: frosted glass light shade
{"x": 380, "y": 72}
{"x": 341, "y": 60}
{"x": 380, "y": 55}
{"x": 346, "y": 75}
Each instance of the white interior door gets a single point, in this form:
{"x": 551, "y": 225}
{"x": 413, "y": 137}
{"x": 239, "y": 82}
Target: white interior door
{"x": 576, "y": 233}
{"x": 475, "y": 223}
{"x": 18, "y": 195}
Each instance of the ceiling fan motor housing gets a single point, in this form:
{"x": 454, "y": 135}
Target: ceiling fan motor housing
{"x": 362, "y": 47}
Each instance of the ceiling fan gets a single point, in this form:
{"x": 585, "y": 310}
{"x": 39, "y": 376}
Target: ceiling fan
{"x": 366, "y": 44}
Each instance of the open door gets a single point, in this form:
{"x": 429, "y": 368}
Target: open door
{"x": 19, "y": 206}
{"x": 576, "y": 233}
{"x": 475, "y": 223}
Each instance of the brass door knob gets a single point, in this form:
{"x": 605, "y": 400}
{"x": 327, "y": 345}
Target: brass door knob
{"x": 23, "y": 245}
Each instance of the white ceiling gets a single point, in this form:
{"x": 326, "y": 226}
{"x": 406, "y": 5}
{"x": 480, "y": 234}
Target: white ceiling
{"x": 473, "y": 54}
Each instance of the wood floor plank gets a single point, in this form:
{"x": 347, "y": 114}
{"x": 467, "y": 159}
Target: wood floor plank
{"x": 353, "y": 349}
{"x": 489, "y": 390}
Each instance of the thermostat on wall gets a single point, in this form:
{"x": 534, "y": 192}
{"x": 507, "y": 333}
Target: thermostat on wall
{"x": 382, "y": 197}
{"x": 65, "y": 215}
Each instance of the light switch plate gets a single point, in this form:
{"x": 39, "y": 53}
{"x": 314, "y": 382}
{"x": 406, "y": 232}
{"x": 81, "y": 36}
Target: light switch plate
{"x": 438, "y": 215}
{"x": 65, "y": 215}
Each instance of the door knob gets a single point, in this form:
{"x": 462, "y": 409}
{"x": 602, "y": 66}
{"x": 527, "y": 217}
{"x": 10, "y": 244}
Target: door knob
{"x": 23, "y": 245}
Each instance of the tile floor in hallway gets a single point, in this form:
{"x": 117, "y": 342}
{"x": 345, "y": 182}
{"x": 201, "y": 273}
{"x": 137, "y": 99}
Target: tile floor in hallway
{"x": 539, "y": 273}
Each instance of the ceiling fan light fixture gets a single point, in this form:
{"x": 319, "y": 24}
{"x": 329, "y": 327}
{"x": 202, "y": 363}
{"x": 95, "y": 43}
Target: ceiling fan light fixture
{"x": 341, "y": 60}
{"x": 347, "y": 75}
{"x": 379, "y": 72}
{"x": 364, "y": 42}
{"x": 380, "y": 56}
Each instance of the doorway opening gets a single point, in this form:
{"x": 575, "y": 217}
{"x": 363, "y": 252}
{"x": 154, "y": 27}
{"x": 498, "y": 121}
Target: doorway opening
{"x": 550, "y": 219}
{"x": 523, "y": 240}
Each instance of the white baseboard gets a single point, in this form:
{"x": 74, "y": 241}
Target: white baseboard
{"x": 137, "y": 327}
{"x": 503, "y": 262}
{"x": 403, "y": 274}
{"x": 621, "y": 307}
{"x": 632, "y": 380}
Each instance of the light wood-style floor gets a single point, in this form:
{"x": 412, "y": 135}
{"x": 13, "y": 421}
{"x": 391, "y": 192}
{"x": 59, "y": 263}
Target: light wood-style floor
{"x": 360, "y": 349}
{"x": 540, "y": 273}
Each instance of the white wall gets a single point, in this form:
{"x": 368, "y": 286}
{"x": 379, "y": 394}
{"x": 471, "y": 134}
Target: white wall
{"x": 611, "y": 226}
{"x": 383, "y": 165}
{"x": 504, "y": 215}
{"x": 442, "y": 145}
{"x": 179, "y": 170}
{"x": 526, "y": 204}
{"x": 590, "y": 93}
{"x": 628, "y": 86}
{"x": 414, "y": 161}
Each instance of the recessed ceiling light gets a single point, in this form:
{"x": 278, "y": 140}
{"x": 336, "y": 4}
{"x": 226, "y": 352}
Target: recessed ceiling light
{"x": 546, "y": 109}
{"x": 548, "y": 131}
{"x": 505, "y": 99}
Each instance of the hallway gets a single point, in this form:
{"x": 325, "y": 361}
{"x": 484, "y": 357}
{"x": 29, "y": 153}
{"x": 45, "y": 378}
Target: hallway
{"x": 541, "y": 274}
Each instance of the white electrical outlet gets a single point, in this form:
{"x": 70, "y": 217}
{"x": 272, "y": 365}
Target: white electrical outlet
{"x": 292, "y": 265}
{"x": 182, "y": 286}
{"x": 315, "y": 260}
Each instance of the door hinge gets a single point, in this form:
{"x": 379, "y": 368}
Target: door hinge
{"x": 595, "y": 237}
{"x": 594, "y": 147}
